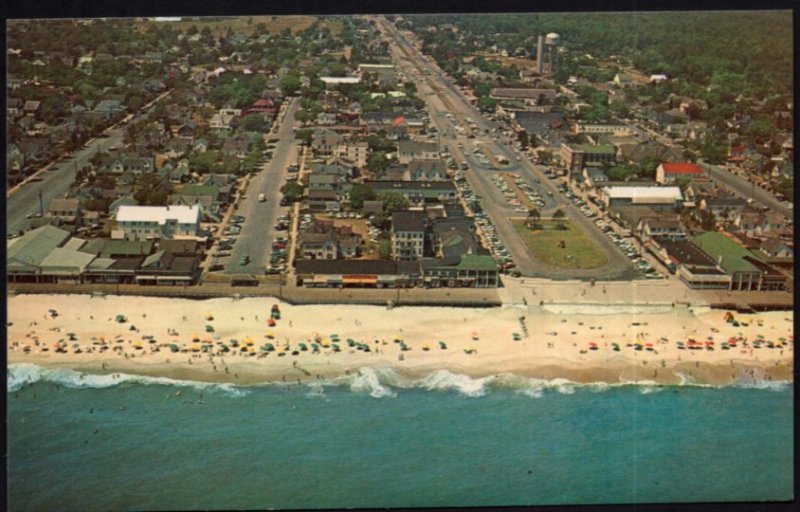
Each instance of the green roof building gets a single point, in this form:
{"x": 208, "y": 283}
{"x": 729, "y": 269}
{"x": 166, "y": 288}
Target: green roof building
{"x": 747, "y": 271}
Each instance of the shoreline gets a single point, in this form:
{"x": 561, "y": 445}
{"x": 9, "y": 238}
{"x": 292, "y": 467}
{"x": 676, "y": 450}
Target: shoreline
{"x": 478, "y": 342}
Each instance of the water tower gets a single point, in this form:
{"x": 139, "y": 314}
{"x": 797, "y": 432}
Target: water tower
{"x": 551, "y": 40}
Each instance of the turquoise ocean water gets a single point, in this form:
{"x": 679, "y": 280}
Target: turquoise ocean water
{"x": 376, "y": 440}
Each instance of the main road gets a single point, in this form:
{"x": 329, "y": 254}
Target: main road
{"x": 442, "y": 96}
{"x": 258, "y": 231}
{"x": 23, "y": 199}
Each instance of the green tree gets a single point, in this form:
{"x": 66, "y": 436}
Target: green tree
{"x": 292, "y": 191}
{"x": 305, "y": 136}
{"x": 393, "y": 201}
{"x": 533, "y": 218}
{"x": 289, "y": 85}
{"x": 377, "y": 162}
{"x": 486, "y": 104}
{"x": 785, "y": 186}
{"x": 360, "y": 193}
{"x": 559, "y": 216}
{"x": 385, "y": 249}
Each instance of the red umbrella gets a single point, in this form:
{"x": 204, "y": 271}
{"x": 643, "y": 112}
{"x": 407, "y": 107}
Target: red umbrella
{"x": 648, "y": 344}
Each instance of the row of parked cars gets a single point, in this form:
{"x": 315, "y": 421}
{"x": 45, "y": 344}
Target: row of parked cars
{"x": 642, "y": 265}
{"x": 492, "y": 240}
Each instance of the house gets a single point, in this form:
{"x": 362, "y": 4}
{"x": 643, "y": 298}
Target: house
{"x": 320, "y": 200}
{"x": 322, "y": 246}
{"x": 594, "y": 177}
{"x": 725, "y": 207}
{"x": 409, "y": 150}
{"x": 737, "y": 153}
{"x": 326, "y": 143}
{"x": 372, "y": 207}
{"x": 427, "y": 170}
{"x": 129, "y": 163}
{"x": 262, "y": 106}
{"x": 326, "y": 119}
{"x": 31, "y": 107}
{"x": 323, "y": 240}
{"x": 670, "y": 172}
{"x": 66, "y": 211}
{"x": 657, "y": 78}
{"x": 154, "y": 222}
{"x": 661, "y": 227}
{"x": 236, "y": 146}
{"x": 200, "y": 145}
{"x": 754, "y": 222}
{"x": 221, "y": 120}
{"x": 108, "y": 109}
{"x": 576, "y": 156}
{"x": 178, "y": 147}
{"x": 417, "y": 192}
{"x": 774, "y": 248}
{"x": 343, "y": 172}
{"x": 748, "y": 272}
{"x": 122, "y": 201}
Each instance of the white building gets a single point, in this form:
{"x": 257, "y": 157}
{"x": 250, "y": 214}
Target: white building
{"x": 153, "y": 222}
{"x": 657, "y": 198}
{"x": 354, "y": 152}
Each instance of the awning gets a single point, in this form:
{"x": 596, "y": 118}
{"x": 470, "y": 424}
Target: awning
{"x": 173, "y": 278}
{"x": 360, "y": 280}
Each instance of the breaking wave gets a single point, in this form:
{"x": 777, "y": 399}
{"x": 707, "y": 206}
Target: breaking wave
{"x": 23, "y": 374}
{"x": 374, "y": 382}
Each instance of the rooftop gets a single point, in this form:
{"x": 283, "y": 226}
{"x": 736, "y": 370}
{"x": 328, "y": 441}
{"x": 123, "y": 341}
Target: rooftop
{"x": 644, "y": 192}
{"x": 731, "y": 255}
{"x": 159, "y": 214}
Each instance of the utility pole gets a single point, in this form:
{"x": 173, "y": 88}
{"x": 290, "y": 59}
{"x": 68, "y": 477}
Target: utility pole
{"x": 41, "y": 204}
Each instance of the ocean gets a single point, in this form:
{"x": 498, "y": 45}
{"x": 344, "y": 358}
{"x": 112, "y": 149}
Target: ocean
{"x": 377, "y": 440}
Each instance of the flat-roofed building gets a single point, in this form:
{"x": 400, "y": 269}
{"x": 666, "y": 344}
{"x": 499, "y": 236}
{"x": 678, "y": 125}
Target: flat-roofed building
{"x": 576, "y": 156}
{"x": 694, "y": 267}
{"x": 657, "y": 198}
{"x": 747, "y": 271}
{"x": 154, "y": 222}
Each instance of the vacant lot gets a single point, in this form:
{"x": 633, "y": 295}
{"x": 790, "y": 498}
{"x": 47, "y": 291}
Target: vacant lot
{"x": 544, "y": 244}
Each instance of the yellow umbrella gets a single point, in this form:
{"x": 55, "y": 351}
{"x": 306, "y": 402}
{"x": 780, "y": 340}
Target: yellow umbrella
{"x": 209, "y": 316}
{"x": 248, "y": 341}
{"x": 195, "y": 347}
{"x": 426, "y": 347}
{"x": 270, "y": 335}
{"x": 196, "y": 337}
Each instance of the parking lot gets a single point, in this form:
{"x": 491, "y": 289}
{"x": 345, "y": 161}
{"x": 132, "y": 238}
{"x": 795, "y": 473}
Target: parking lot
{"x": 628, "y": 245}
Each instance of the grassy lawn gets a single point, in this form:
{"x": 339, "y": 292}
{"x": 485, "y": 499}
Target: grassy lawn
{"x": 543, "y": 244}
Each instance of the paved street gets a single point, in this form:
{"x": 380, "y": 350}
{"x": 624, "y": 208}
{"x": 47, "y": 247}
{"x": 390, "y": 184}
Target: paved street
{"x": 24, "y": 199}
{"x": 746, "y": 189}
{"x": 439, "y": 93}
{"x": 258, "y": 229}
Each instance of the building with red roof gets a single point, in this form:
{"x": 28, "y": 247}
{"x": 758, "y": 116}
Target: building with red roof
{"x": 668, "y": 172}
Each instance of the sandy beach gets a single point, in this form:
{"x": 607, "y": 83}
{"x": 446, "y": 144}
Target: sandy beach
{"x": 83, "y": 333}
